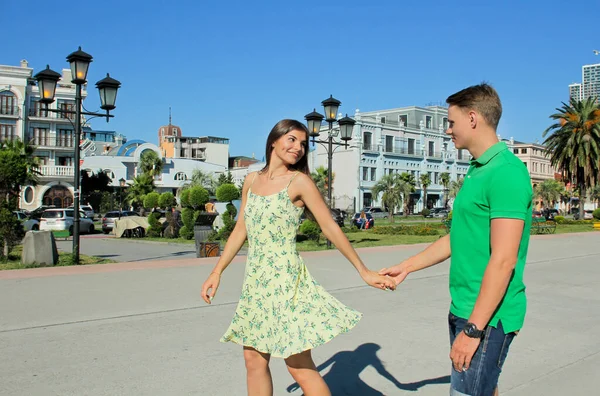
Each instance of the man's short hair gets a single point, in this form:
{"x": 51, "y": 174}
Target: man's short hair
{"x": 482, "y": 98}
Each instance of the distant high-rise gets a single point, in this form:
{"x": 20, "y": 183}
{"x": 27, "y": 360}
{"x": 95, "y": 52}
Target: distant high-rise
{"x": 590, "y": 83}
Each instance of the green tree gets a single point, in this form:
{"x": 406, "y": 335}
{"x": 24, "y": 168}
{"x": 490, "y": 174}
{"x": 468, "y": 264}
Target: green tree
{"x": 166, "y": 200}
{"x": 409, "y": 178}
{"x": 425, "y": 183}
{"x": 320, "y": 178}
{"x": 549, "y": 191}
{"x": 228, "y": 193}
{"x": 204, "y": 179}
{"x": 151, "y": 200}
{"x": 17, "y": 168}
{"x": 142, "y": 185}
{"x": 445, "y": 180}
{"x": 455, "y": 186}
{"x": 595, "y": 194}
{"x": 573, "y": 144}
{"x": 224, "y": 178}
{"x": 151, "y": 163}
{"x": 391, "y": 198}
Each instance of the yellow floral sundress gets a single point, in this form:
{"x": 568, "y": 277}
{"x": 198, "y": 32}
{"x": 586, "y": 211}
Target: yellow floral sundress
{"x": 282, "y": 309}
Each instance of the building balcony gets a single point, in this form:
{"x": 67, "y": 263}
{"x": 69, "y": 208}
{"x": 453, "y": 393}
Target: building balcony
{"x": 52, "y": 142}
{"x": 10, "y": 111}
{"x": 402, "y": 151}
{"x": 37, "y": 113}
{"x": 56, "y": 171}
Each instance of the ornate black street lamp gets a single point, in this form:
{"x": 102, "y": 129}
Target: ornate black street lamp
{"x": 345, "y": 126}
{"x": 47, "y": 80}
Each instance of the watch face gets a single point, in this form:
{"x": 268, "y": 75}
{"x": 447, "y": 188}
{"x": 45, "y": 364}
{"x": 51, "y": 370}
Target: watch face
{"x": 469, "y": 330}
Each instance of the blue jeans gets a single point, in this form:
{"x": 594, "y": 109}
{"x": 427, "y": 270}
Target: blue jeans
{"x": 481, "y": 378}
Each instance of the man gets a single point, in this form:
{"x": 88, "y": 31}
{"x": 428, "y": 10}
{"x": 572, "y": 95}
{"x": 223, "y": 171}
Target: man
{"x": 488, "y": 244}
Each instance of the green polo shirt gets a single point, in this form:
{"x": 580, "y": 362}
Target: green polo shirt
{"x": 497, "y": 185}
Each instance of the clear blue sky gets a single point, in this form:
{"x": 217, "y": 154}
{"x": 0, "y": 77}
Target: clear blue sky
{"x": 234, "y": 68}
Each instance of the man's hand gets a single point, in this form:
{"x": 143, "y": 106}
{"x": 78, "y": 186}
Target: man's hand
{"x": 397, "y": 272}
{"x": 462, "y": 351}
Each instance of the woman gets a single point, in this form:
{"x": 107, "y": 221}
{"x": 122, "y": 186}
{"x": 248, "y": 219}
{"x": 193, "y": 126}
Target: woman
{"x": 362, "y": 220}
{"x": 282, "y": 311}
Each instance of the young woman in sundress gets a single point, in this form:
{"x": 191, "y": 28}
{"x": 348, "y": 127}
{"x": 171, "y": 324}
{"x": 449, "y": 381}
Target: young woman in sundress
{"x": 283, "y": 312}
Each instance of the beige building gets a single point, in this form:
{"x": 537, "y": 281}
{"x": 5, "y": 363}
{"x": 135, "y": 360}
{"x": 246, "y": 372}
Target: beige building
{"x": 214, "y": 150}
{"x": 536, "y": 160}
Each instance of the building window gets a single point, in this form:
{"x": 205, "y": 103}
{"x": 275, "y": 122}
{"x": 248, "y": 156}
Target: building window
{"x": 28, "y": 195}
{"x": 175, "y": 131}
{"x": 516, "y": 151}
{"x": 39, "y": 136}
{"x": 445, "y": 123}
{"x": 389, "y": 144}
{"x": 373, "y": 171}
{"x": 66, "y": 106}
{"x": 7, "y": 132}
{"x": 382, "y": 120}
{"x": 180, "y": 176}
{"x": 460, "y": 154}
{"x": 411, "y": 146}
{"x": 428, "y": 122}
{"x": 524, "y": 151}
{"x": 435, "y": 178}
{"x": 403, "y": 119}
{"x": 431, "y": 149}
{"x": 365, "y": 175}
{"x": 8, "y": 103}
{"x": 64, "y": 138}
{"x": 367, "y": 143}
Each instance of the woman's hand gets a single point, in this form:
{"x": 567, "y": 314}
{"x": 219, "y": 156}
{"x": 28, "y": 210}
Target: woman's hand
{"x": 372, "y": 278}
{"x": 210, "y": 286}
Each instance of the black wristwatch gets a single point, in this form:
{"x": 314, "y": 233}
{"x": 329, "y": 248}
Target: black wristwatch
{"x": 472, "y": 331}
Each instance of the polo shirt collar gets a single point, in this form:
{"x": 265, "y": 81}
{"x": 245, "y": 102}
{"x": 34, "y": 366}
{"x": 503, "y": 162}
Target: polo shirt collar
{"x": 489, "y": 154}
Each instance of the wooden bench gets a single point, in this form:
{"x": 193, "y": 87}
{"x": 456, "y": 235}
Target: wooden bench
{"x": 539, "y": 225}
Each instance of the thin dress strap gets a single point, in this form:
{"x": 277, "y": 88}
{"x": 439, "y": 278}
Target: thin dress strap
{"x": 292, "y": 178}
{"x": 253, "y": 177}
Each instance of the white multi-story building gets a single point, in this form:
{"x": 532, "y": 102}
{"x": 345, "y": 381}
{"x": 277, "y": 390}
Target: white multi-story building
{"x": 23, "y": 117}
{"x": 409, "y": 139}
{"x": 590, "y": 83}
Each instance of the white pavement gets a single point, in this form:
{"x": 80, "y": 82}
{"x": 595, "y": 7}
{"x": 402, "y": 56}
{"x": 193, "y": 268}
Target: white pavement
{"x": 141, "y": 328}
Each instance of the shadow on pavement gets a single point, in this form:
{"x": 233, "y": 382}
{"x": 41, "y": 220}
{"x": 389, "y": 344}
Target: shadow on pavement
{"x": 344, "y": 376}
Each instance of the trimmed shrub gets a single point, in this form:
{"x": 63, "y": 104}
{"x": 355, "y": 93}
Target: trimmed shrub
{"x": 596, "y": 214}
{"x": 155, "y": 229}
{"x": 559, "y": 219}
{"x": 227, "y": 192}
{"x": 198, "y": 197}
{"x": 151, "y": 200}
{"x": 184, "y": 198}
{"x": 166, "y": 200}
{"x": 406, "y": 230}
{"x": 425, "y": 212}
{"x": 310, "y": 229}
{"x": 187, "y": 216}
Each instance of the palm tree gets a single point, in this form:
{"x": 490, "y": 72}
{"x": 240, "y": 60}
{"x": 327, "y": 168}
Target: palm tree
{"x": 319, "y": 176}
{"x": 445, "y": 179}
{"x": 205, "y": 180}
{"x": 409, "y": 178}
{"x": 151, "y": 163}
{"x": 549, "y": 191}
{"x": 595, "y": 194}
{"x": 455, "y": 186}
{"x": 425, "y": 182}
{"x": 391, "y": 197}
{"x": 142, "y": 185}
{"x": 574, "y": 143}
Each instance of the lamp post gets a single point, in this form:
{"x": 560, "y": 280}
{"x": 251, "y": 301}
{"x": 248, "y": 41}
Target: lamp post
{"x": 47, "y": 81}
{"x": 345, "y": 126}
{"x": 122, "y": 185}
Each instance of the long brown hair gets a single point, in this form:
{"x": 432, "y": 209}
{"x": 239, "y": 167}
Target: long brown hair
{"x": 284, "y": 127}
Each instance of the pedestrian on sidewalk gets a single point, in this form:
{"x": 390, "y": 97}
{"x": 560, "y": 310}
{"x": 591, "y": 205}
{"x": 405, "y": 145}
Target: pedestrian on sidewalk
{"x": 283, "y": 312}
{"x": 487, "y": 245}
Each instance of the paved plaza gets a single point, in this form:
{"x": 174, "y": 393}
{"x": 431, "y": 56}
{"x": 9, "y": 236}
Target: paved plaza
{"x": 140, "y": 328}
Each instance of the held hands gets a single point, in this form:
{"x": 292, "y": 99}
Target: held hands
{"x": 210, "y": 286}
{"x": 378, "y": 281}
{"x": 398, "y": 272}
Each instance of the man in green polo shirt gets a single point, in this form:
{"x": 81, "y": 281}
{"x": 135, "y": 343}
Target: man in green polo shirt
{"x": 488, "y": 241}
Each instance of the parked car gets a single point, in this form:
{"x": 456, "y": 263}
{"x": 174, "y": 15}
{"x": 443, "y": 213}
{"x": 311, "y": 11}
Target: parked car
{"x": 587, "y": 215}
{"x": 377, "y": 213}
{"x": 87, "y": 209}
{"x": 370, "y": 220}
{"x": 338, "y": 217}
{"x": 62, "y": 220}
{"x": 438, "y": 212}
{"x": 549, "y": 214}
{"x": 108, "y": 220}
{"x": 27, "y": 222}
{"x": 38, "y": 212}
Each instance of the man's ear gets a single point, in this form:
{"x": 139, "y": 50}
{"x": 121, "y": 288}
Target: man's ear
{"x": 473, "y": 119}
